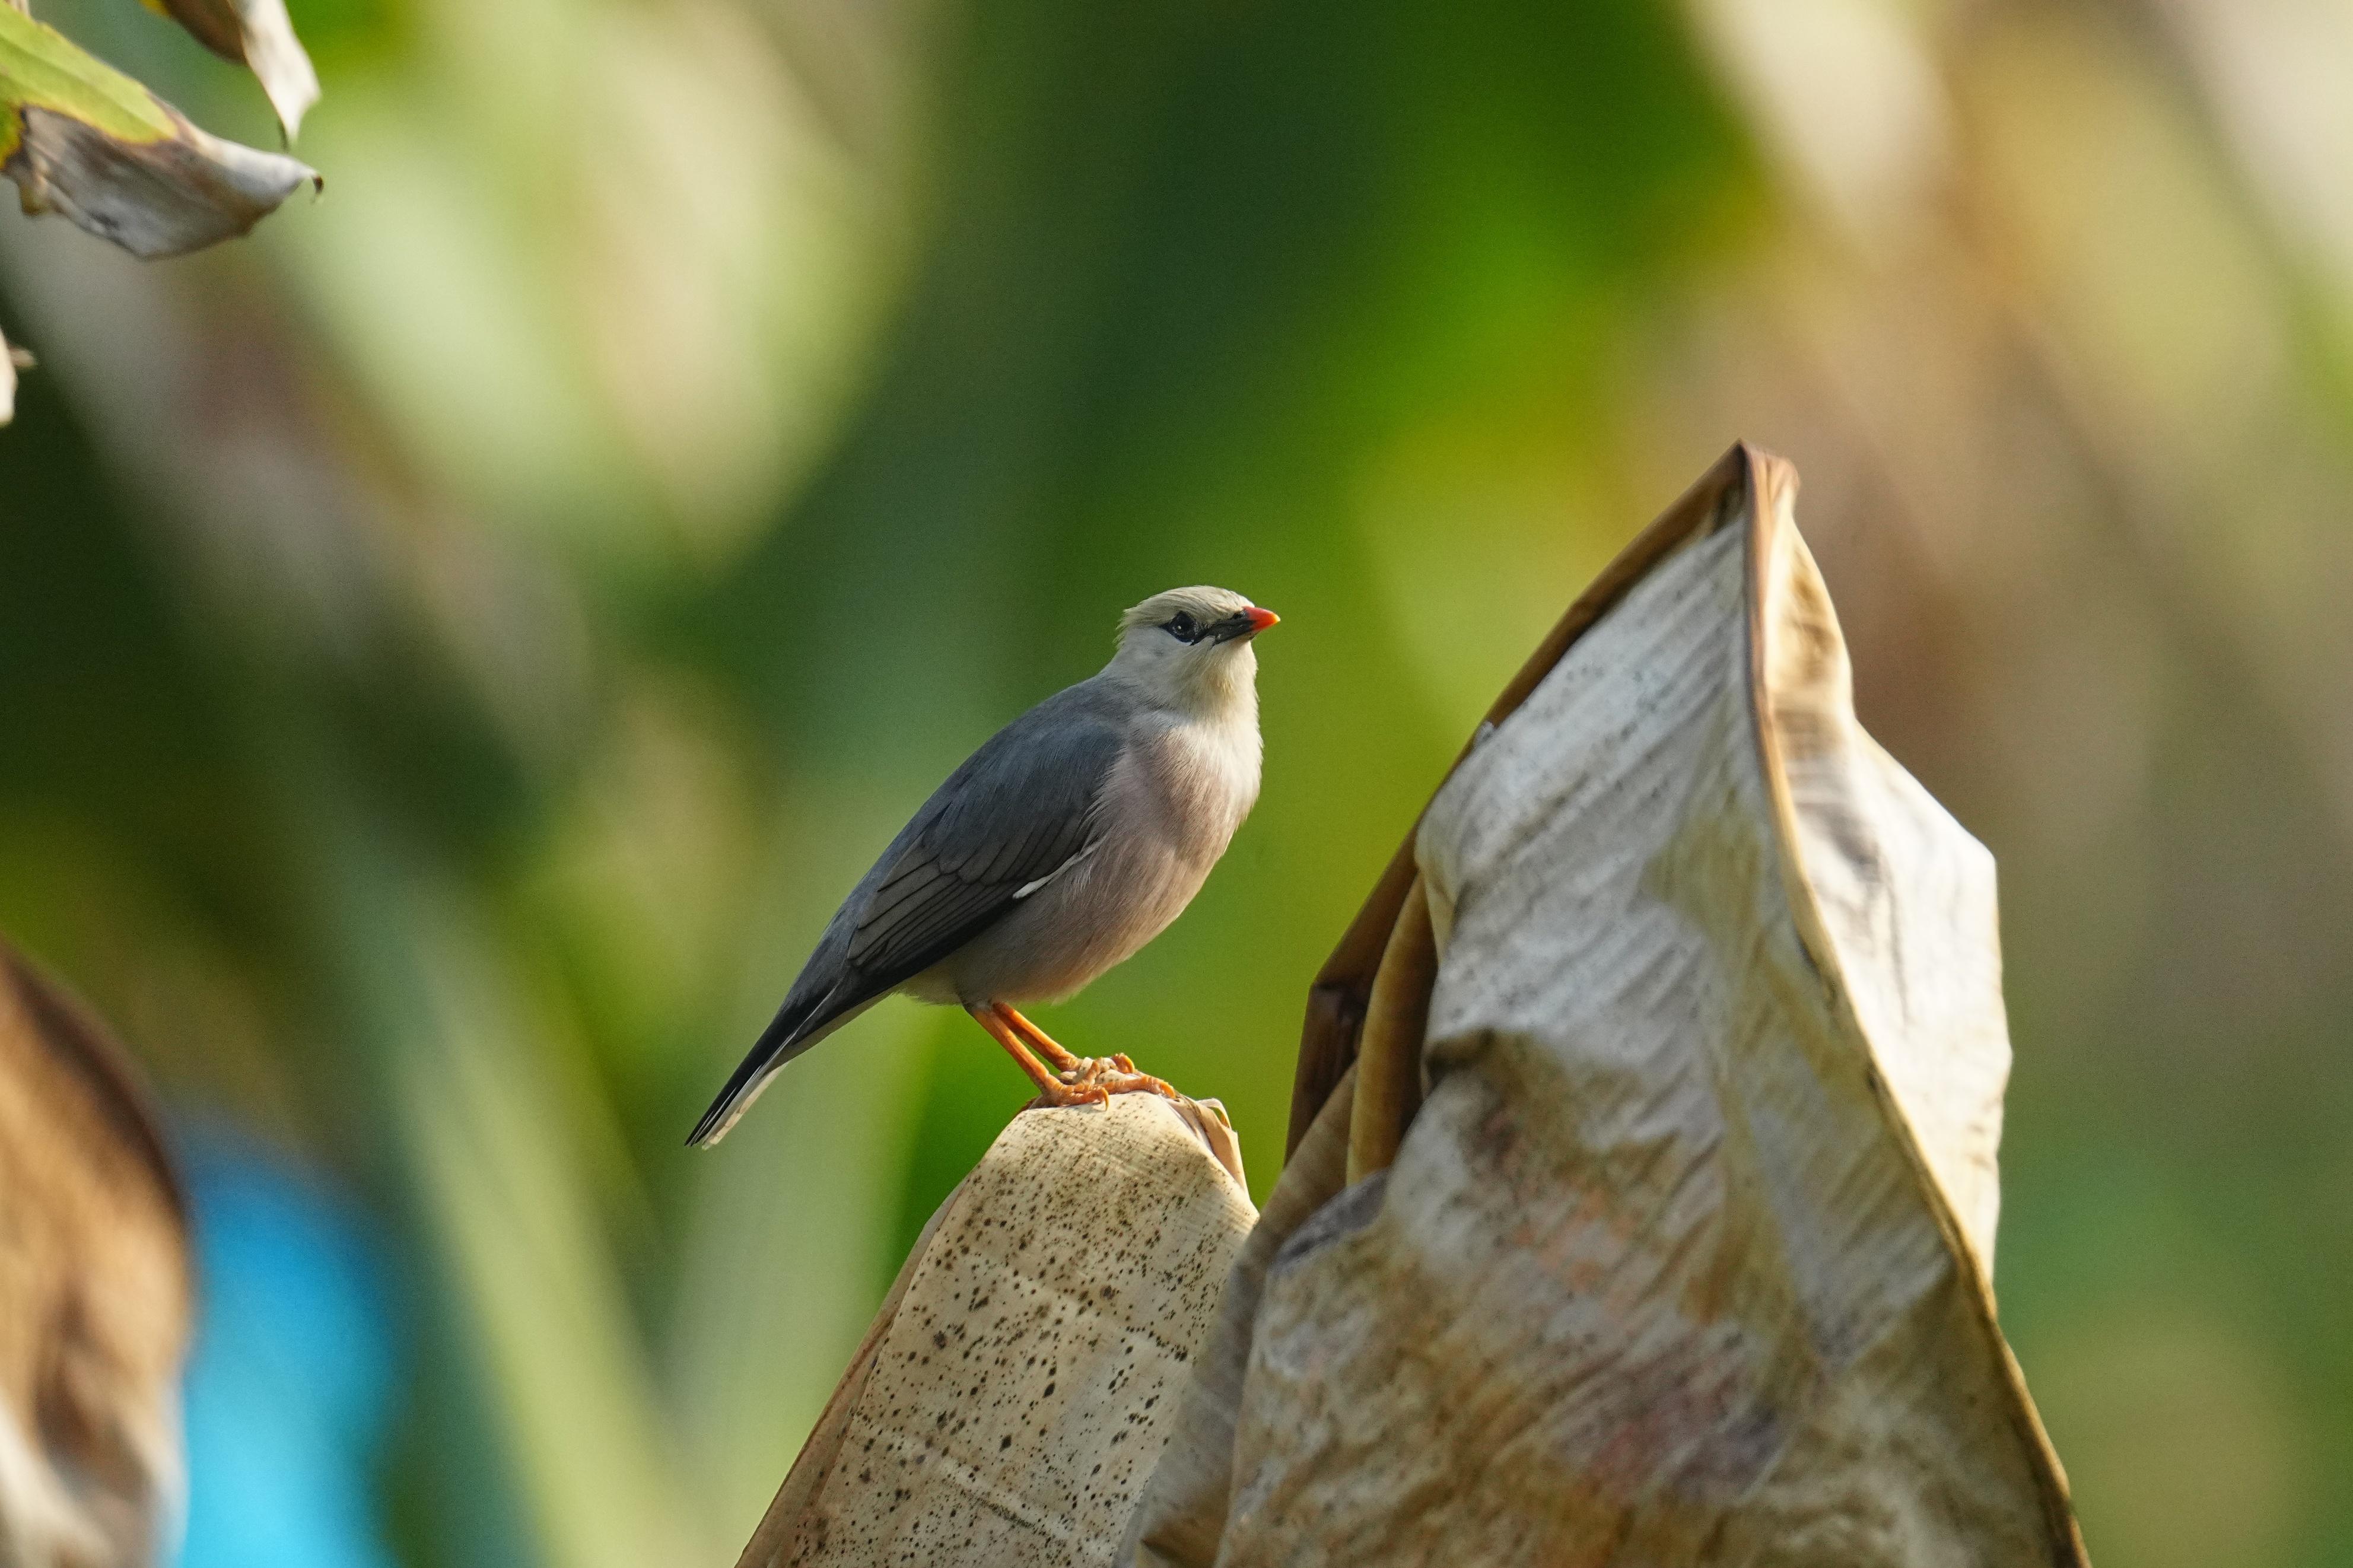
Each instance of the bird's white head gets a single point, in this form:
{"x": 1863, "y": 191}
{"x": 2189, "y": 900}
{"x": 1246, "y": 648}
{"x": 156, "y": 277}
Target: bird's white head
{"x": 1190, "y": 649}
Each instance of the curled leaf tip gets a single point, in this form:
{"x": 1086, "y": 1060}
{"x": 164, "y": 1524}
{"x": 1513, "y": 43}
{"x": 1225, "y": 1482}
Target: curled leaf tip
{"x": 81, "y": 139}
{"x": 259, "y": 36}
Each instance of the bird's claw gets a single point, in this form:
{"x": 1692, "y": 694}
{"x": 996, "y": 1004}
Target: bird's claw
{"x": 1068, "y": 1091}
{"x": 1096, "y": 1079}
{"x": 1085, "y": 1069}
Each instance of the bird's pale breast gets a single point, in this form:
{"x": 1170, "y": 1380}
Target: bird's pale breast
{"x": 1170, "y": 806}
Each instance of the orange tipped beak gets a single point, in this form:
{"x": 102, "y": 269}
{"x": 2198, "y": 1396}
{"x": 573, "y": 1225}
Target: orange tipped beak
{"x": 1260, "y": 620}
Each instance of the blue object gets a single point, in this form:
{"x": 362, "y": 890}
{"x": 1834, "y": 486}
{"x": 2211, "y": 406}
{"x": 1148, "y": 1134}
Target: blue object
{"x": 289, "y": 1391}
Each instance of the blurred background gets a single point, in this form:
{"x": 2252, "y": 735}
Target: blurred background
{"x": 457, "y": 645}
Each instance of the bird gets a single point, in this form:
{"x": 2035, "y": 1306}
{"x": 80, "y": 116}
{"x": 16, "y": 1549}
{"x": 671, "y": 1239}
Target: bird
{"x": 1070, "y": 839}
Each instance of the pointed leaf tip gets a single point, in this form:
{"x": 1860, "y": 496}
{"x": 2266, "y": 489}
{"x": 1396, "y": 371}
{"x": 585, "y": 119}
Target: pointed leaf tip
{"x": 259, "y": 36}
{"x": 81, "y": 139}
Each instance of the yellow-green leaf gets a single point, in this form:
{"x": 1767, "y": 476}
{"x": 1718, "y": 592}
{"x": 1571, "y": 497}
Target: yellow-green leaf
{"x": 257, "y": 34}
{"x": 81, "y": 139}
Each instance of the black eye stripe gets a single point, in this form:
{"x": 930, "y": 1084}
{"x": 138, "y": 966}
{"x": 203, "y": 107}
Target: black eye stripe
{"x": 1182, "y": 626}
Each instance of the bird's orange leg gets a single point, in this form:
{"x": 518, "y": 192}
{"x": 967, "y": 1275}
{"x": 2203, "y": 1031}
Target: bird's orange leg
{"x": 1044, "y": 1044}
{"x": 1051, "y": 1089}
{"x": 1114, "y": 1073}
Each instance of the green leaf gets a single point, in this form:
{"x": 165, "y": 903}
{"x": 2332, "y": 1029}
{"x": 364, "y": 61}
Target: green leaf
{"x": 257, "y": 34}
{"x": 81, "y": 139}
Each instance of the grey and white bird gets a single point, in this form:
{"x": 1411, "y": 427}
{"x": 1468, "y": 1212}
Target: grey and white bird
{"x": 1073, "y": 837}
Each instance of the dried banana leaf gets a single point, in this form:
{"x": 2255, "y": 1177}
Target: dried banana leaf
{"x": 1017, "y": 1383}
{"x": 95, "y": 1294}
{"x": 1683, "y": 1255}
{"x": 1184, "y": 1508}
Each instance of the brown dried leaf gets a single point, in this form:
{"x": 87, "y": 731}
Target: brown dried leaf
{"x": 81, "y": 139}
{"x": 257, "y": 34}
{"x": 1684, "y": 1257}
{"x": 95, "y": 1291}
{"x": 1015, "y": 1388}
{"x": 1183, "y": 1511}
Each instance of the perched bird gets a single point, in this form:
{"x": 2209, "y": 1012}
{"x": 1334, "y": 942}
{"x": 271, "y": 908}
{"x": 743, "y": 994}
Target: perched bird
{"x": 1068, "y": 841}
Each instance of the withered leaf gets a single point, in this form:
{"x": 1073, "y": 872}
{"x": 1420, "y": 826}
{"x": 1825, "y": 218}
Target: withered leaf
{"x": 1686, "y": 1255}
{"x": 12, "y": 360}
{"x": 81, "y": 139}
{"x": 89, "y": 1414}
{"x": 1017, "y": 1385}
{"x": 258, "y": 35}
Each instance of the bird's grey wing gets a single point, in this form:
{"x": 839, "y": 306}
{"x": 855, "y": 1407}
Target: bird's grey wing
{"x": 1019, "y": 810}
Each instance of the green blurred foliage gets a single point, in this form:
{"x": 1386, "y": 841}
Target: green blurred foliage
{"x": 457, "y": 646}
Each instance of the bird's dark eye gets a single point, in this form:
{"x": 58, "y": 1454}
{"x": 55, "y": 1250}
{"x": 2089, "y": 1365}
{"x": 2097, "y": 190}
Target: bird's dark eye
{"x": 1182, "y": 626}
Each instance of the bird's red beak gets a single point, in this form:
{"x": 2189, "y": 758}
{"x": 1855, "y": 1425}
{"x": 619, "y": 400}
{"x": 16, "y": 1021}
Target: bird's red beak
{"x": 1260, "y": 620}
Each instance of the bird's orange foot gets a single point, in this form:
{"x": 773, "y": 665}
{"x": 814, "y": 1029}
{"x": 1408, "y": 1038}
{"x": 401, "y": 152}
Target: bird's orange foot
{"x": 1112, "y": 1075}
{"x": 1075, "y": 1080}
{"x": 1069, "y": 1089}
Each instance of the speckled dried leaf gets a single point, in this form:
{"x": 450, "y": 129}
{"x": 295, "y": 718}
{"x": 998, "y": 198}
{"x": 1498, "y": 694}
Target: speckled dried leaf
{"x": 1018, "y": 1382}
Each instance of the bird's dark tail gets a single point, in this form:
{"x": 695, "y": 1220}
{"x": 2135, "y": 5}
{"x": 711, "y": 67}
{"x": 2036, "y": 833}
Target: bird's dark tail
{"x": 796, "y": 1026}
